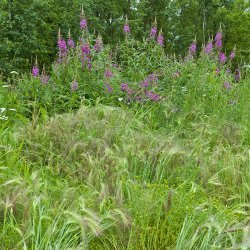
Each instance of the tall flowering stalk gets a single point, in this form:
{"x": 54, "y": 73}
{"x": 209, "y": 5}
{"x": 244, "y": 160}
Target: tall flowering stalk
{"x": 218, "y": 39}
{"x": 70, "y": 41}
{"x": 62, "y": 47}
{"x": 86, "y": 57}
{"x": 35, "y": 69}
{"x": 232, "y": 55}
{"x": 153, "y": 31}
{"x": 126, "y": 28}
{"x": 208, "y": 48}
{"x": 222, "y": 58}
{"x": 192, "y": 48}
{"x": 160, "y": 38}
{"x": 44, "y": 78}
{"x": 98, "y": 44}
{"x": 74, "y": 85}
{"x": 83, "y": 21}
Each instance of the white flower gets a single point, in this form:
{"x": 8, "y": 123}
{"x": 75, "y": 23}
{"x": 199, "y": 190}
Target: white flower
{"x": 4, "y": 118}
{"x": 120, "y": 99}
{"x": 2, "y": 110}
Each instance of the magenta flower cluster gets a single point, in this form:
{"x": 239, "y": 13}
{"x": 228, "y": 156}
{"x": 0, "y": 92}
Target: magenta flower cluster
{"x": 126, "y": 28}
{"x": 218, "y": 40}
{"x": 192, "y": 48}
{"x": 83, "y": 24}
{"x": 153, "y": 31}
{"x": 35, "y": 71}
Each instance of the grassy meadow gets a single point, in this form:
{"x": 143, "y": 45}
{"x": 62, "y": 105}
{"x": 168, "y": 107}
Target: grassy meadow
{"x": 129, "y": 148}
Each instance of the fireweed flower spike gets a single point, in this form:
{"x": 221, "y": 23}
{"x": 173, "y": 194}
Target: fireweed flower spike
{"x": 227, "y": 85}
{"x": 222, "y": 57}
{"x": 44, "y": 78}
{"x": 35, "y": 69}
{"x": 160, "y": 39}
{"x": 70, "y": 41}
{"x": 126, "y": 27}
{"x": 98, "y": 44}
{"x": 232, "y": 55}
{"x": 208, "y": 48}
{"x": 83, "y": 21}
{"x": 192, "y": 48}
{"x": 74, "y": 85}
{"x": 108, "y": 74}
{"x": 62, "y": 46}
{"x": 218, "y": 39}
{"x": 153, "y": 31}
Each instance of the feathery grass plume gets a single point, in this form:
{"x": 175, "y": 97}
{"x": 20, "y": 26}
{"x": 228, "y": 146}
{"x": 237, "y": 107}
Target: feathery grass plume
{"x": 35, "y": 69}
{"x": 160, "y": 38}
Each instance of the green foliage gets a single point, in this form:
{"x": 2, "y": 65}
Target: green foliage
{"x": 29, "y": 29}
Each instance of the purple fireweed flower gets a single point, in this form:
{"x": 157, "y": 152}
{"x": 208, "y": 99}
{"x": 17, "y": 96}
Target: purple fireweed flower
{"x": 85, "y": 49}
{"x": 44, "y": 78}
{"x": 160, "y": 39}
{"x": 208, "y": 48}
{"x": 222, "y": 57}
{"x": 115, "y": 65}
{"x": 218, "y": 40}
{"x": 145, "y": 83}
{"x": 232, "y": 55}
{"x": 138, "y": 98}
{"x": 126, "y": 28}
{"x": 83, "y": 24}
{"x": 237, "y": 75}
{"x": 108, "y": 74}
{"x": 74, "y": 85}
{"x": 35, "y": 71}
{"x": 152, "y": 77}
{"x": 62, "y": 46}
{"x": 98, "y": 44}
{"x": 217, "y": 71}
{"x": 152, "y": 96}
{"x": 130, "y": 91}
{"x": 192, "y": 48}
{"x": 124, "y": 87}
{"x": 89, "y": 65}
{"x": 110, "y": 89}
{"x": 227, "y": 85}
{"x": 71, "y": 43}
{"x": 153, "y": 31}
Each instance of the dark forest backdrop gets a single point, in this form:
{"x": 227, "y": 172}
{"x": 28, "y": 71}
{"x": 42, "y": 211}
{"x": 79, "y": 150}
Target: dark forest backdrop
{"x": 29, "y": 28}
